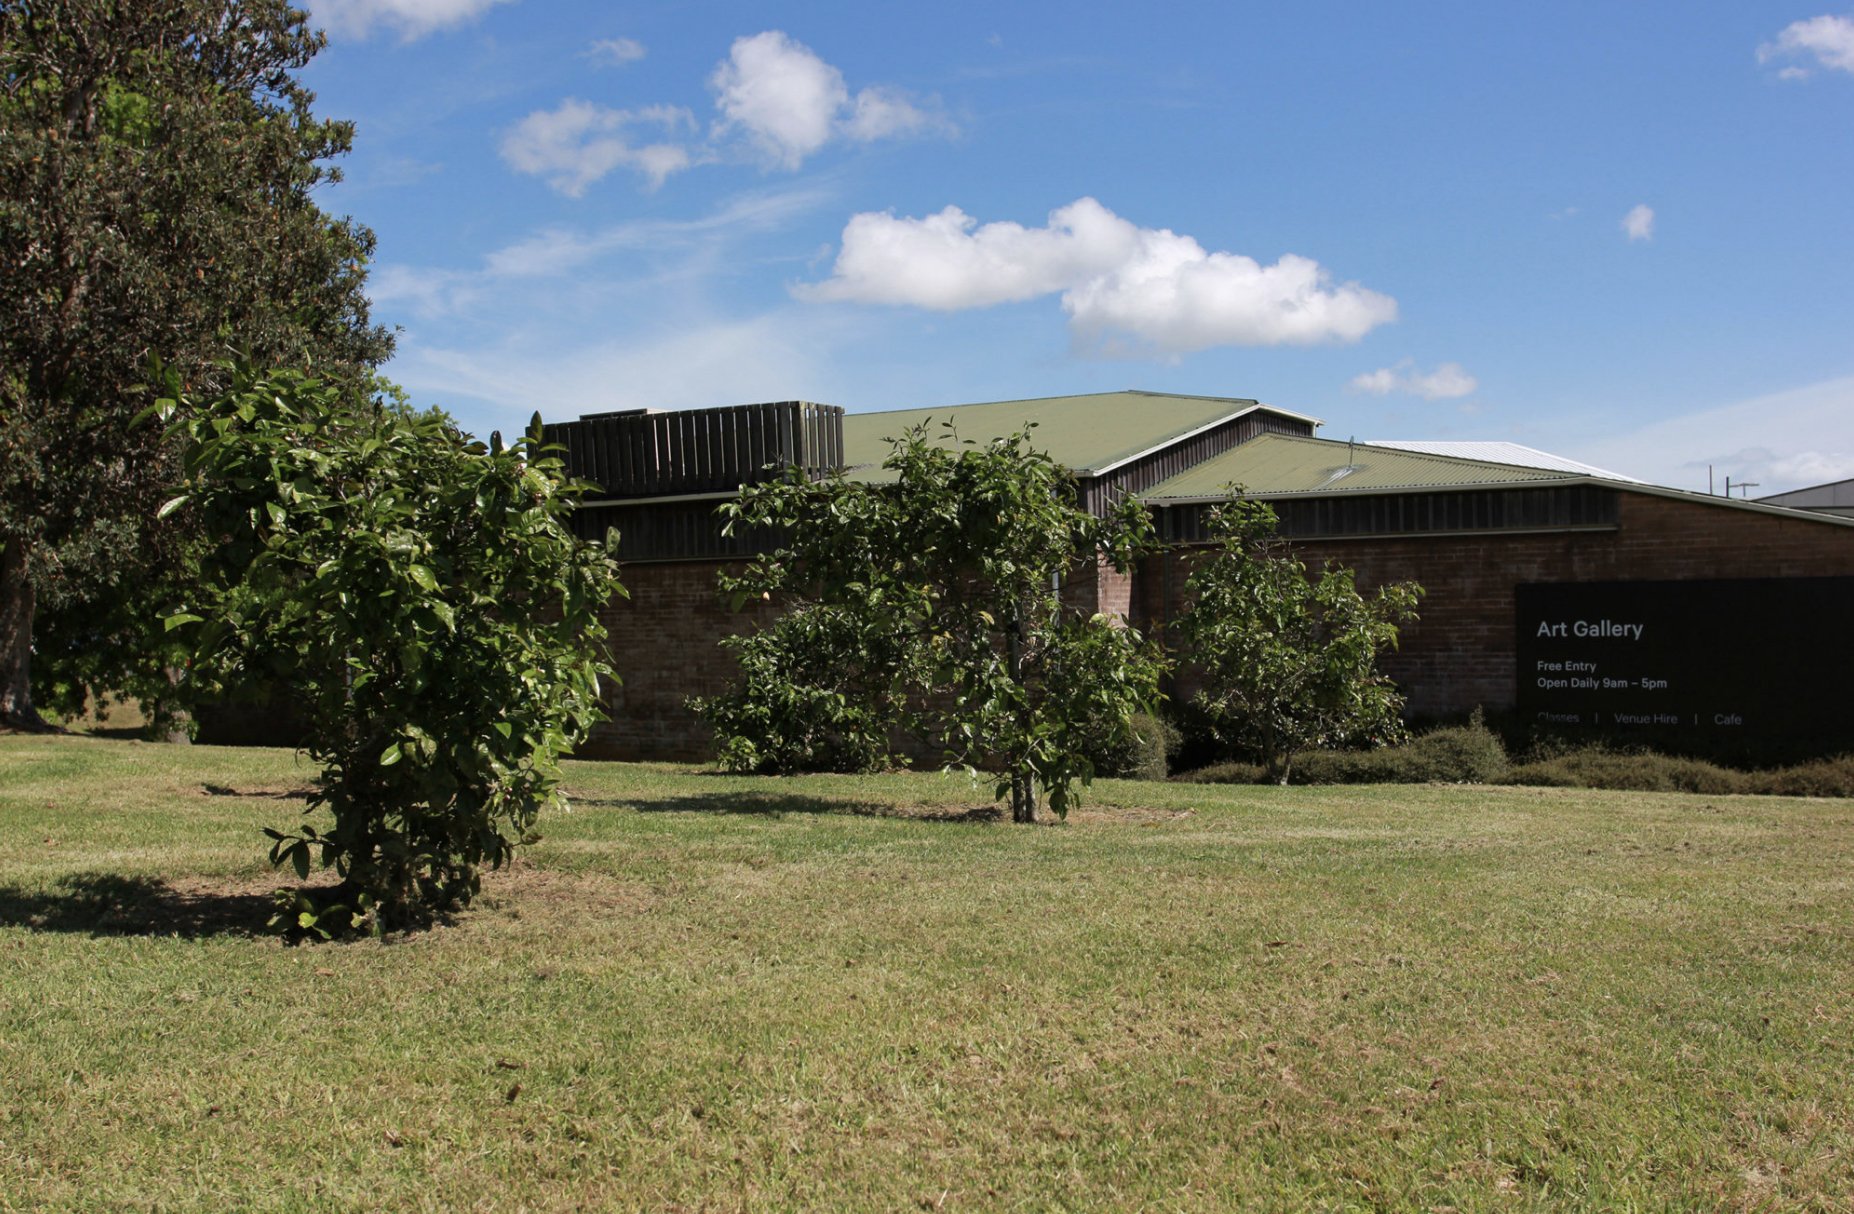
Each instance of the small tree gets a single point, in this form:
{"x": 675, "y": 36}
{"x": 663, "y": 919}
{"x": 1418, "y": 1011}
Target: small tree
{"x": 930, "y": 604}
{"x": 1288, "y": 662}
{"x": 422, "y": 599}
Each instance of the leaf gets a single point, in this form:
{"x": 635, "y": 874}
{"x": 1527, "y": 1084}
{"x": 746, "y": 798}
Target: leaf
{"x": 424, "y": 577}
{"x": 172, "y": 504}
{"x": 181, "y": 619}
{"x": 391, "y": 755}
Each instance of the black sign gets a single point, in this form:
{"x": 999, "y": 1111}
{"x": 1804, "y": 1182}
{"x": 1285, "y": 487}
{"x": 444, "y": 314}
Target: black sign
{"x": 1767, "y": 658}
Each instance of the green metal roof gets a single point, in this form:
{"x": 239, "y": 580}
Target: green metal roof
{"x": 1281, "y": 463}
{"x": 1086, "y": 434}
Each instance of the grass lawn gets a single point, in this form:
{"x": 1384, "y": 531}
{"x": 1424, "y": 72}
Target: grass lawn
{"x": 704, "y": 992}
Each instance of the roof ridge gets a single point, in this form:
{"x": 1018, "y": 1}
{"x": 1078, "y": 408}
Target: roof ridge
{"x": 1031, "y": 400}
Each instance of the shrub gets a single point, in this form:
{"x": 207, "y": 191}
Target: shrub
{"x": 1140, "y": 751}
{"x": 1458, "y": 754}
{"x": 1822, "y": 778}
{"x": 1544, "y": 773}
{"x": 1225, "y": 773}
{"x": 1641, "y": 771}
{"x": 421, "y": 598}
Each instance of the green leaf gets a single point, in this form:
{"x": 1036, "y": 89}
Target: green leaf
{"x": 172, "y": 504}
{"x": 424, "y": 577}
{"x": 390, "y": 755}
{"x": 180, "y": 619}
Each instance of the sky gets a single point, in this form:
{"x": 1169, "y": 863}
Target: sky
{"x": 1620, "y": 233}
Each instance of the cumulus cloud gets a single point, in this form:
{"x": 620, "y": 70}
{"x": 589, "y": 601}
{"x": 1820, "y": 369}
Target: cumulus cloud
{"x": 1639, "y": 222}
{"x": 1116, "y": 280}
{"x": 616, "y": 51}
{"x": 1447, "y": 382}
{"x": 579, "y": 142}
{"x": 790, "y": 103}
{"x": 411, "y": 18}
{"x": 1827, "y": 40}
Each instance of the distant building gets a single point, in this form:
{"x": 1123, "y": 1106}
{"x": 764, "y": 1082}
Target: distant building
{"x": 1573, "y": 595}
{"x": 1836, "y": 497}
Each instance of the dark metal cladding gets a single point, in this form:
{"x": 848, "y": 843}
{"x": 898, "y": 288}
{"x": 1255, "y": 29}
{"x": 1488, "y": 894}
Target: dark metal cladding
{"x": 637, "y": 454}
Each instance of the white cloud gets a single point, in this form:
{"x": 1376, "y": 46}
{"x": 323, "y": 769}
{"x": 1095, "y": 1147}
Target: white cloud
{"x": 1116, "y": 280}
{"x": 1639, "y": 222}
{"x": 411, "y": 18}
{"x": 580, "y": 142}
{"x": 790, "y": 103}
{"x": 1781, "y": 441}
{"x": 1828, "y": 40}
{"x": 1447, "y": 382}
{"x": 616, "y": 51}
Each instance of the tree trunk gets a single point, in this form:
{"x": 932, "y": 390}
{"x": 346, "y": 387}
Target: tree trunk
{"x": 1023, "y": 783}
{"x": 18, "y": 602}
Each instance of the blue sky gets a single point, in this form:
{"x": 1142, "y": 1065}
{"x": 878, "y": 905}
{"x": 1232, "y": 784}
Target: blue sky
{"x": 1618, "y": 232}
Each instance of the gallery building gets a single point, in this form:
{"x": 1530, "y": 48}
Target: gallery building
{"x": 1563, "y": 592}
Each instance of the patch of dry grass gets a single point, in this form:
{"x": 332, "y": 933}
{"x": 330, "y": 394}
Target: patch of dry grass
{"x": 712, "y": 992}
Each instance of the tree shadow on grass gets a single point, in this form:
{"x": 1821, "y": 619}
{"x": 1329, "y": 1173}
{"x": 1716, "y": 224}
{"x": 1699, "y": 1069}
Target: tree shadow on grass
{"x": 104, "y": 904}
{"x": 778, "y": 805}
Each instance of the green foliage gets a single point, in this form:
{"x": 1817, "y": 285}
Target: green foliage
{"x": 158, "y": 162}
{"x": 1634, "y": 770}
{"x": 800, "y": 704}
{"x": 928, "y": 606}
{"x": 1455, "y": 754}
{"x": 1139, "y": 748}
{"x": 1288, "y": 662}
{"x": 423, "y": 600}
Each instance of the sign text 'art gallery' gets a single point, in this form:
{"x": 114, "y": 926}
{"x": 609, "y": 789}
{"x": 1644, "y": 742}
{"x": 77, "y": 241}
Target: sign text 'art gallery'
{"x": 1770, "y": 657}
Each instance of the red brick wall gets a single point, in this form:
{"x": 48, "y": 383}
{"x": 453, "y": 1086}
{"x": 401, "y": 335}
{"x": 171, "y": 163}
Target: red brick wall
{"x": 665, "y": 646}
{"x": 1460, "y": 652}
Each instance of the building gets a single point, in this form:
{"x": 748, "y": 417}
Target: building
{"x": 1835, "y": 497}
{"x": 1571, "y": 595}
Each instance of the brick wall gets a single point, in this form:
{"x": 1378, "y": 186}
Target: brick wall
{"x": 665, "y": 648}
{"x": 1460, "y": 652}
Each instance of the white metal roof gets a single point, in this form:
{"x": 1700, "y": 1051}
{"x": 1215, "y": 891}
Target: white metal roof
{"x": 1504, "y": 453}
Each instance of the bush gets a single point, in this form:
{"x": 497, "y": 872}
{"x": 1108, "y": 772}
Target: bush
{"x": 1645, "y": 771}
{"x": 1141, "y": 751}
{"x": 421, "y": 599}
{"x": 1459, "y": 754}
{"x": 1822, "y": 778}
{"x": 1225, "y": 773}
{"x": 1648, "y": 771}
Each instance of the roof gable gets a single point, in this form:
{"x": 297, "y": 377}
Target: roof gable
{"x": 1283, "y": 464}
{"x": 1087, "y": 434}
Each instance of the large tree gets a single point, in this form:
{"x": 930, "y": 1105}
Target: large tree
{"x": 158, "y": 162}
{"x": 929, "y": 604}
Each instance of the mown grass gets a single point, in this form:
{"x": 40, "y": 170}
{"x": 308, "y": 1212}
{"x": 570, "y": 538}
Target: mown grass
{"x": 708, "y": 992}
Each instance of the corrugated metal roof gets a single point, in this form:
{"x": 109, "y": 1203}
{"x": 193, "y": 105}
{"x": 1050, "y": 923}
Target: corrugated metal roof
{"x": 1815, "y": 497}
{"x": 1086, "y": 434}
{"x": 1280, "y": 463}
{"x": 1504, "y": 453}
